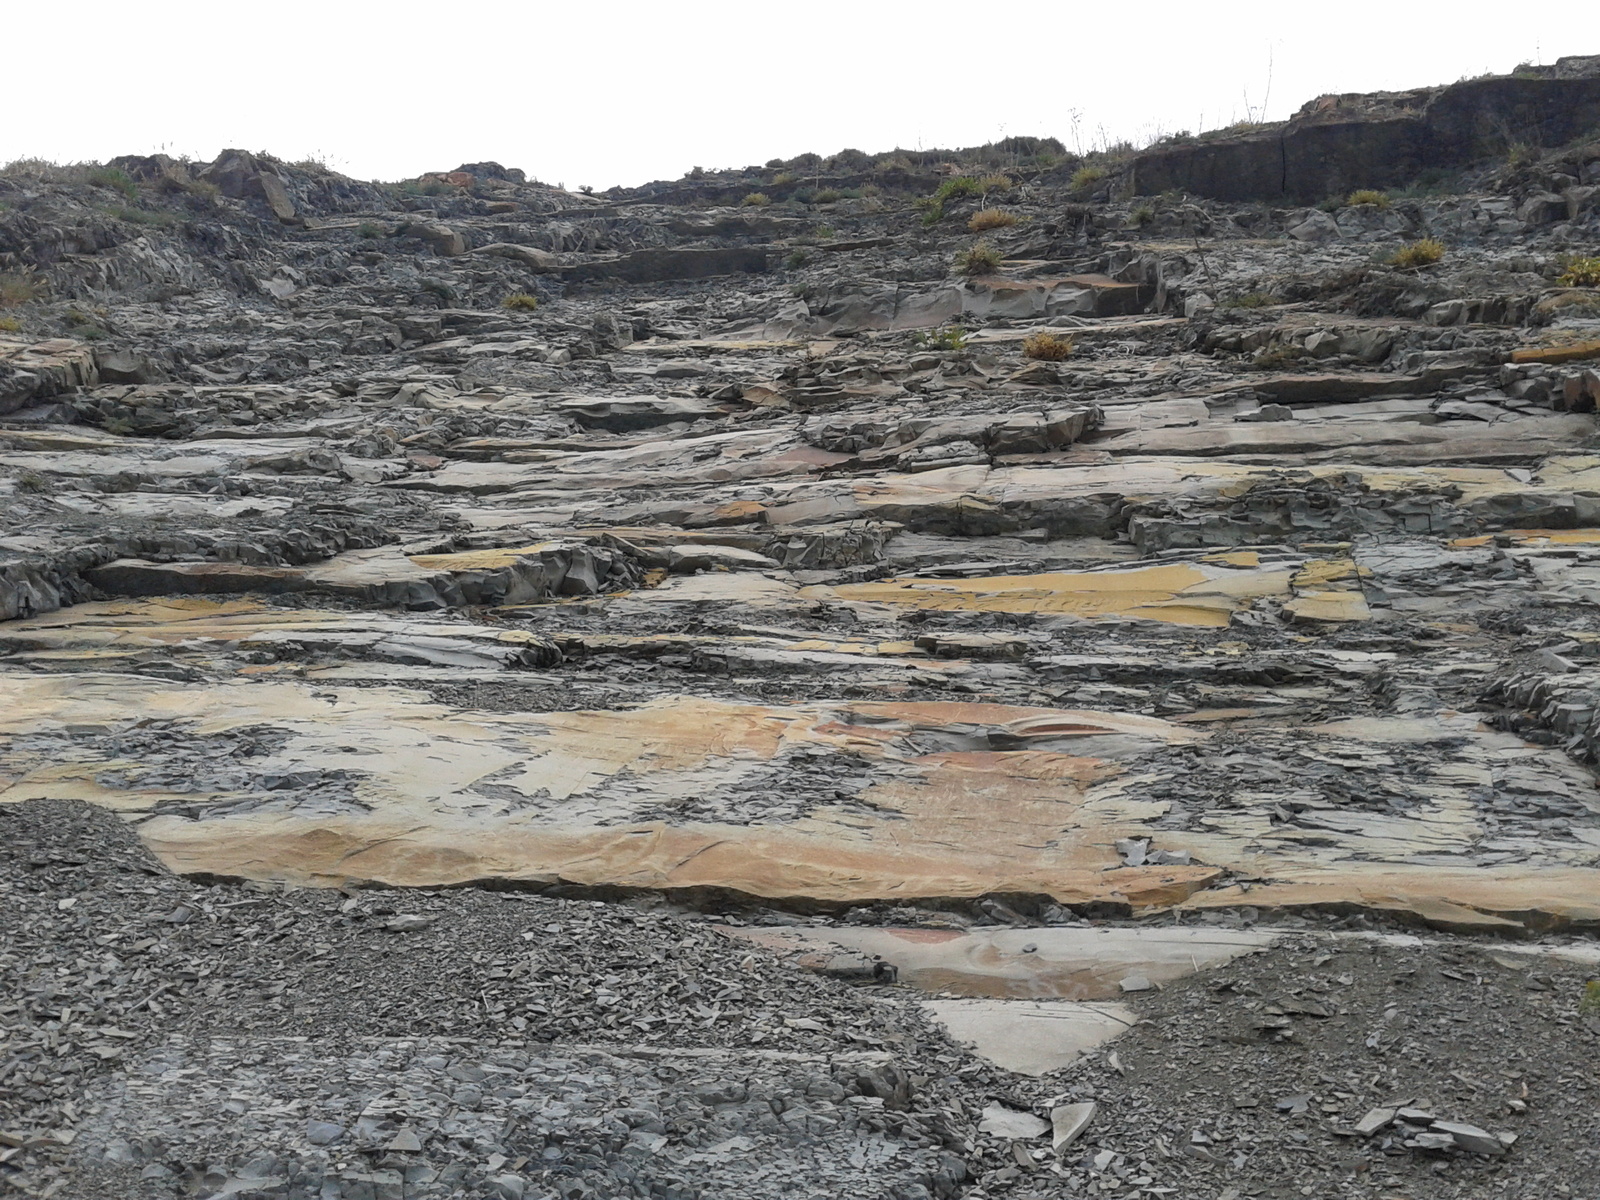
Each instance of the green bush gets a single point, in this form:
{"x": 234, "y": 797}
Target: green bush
{"x": 827, "y": 196}
{"x": 116, "y": 179}
{"x": 796, "y": 260}
{"x": 520, "y": 302}
{"x": 369, "y": 229}
{"x": 1580, "y": 272}
{"x": 144, "y": 216}
{"x": 756, "y": 200}
{"x": 952, "y": 339}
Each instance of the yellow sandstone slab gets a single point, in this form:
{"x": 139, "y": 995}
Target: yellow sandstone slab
{"x": 1177, "y": 593}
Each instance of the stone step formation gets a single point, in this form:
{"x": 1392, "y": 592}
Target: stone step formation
{"x": 977, "y": 673}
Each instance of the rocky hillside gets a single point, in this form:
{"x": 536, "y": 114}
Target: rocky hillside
{"x": 922, "y": 674}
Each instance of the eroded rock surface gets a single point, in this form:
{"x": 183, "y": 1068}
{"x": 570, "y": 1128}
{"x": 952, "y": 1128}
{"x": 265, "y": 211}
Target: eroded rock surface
{"x": 1196, "y": 565}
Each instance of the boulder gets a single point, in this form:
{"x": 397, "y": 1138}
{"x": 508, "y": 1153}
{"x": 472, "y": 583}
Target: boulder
{"x": 540, "y": 262}
{"x": 1315, "y": 226}
{"x": 444, "y": 241}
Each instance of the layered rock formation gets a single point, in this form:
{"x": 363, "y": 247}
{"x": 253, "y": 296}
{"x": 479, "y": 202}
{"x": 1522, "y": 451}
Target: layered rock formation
{"x": 1196, "y": 560}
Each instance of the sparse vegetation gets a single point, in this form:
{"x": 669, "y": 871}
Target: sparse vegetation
{"x": 425, "y": 187}
{"x": 203, "y": 189}
{"x": 1367, "y": 196}
{"x": 17, "y": 288}
{"x": 986, "y": 219}
{"x": 952, "y": 339}
{"x": 1580, "y": 272}
{"x": 756, "y": 200}
{"x": 154, "y": 218}
{"x": 1142, "y": 215}
{"x": 1047, "y": 347}
{"x": 796, "y": 260}
{"x": 369, "y": 229}
{"x": 32, "y": 481}
{"x": 116, "y": 179}
{"x": 520, "y": 302}
{"x": 10, "y": 324}
{"x": 951, "y": 189}
{"x": 783, "y": 179}
{"x": 1085, "y": 178}
{"x": 1418, "y": 254}
{"x": 980, "y": 258}
{"x": 827, "y": 196}
{"x": 996, "y": 183}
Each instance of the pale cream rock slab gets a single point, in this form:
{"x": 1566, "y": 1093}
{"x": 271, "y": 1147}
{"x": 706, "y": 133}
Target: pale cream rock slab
{"x": 1030, "y": 1037}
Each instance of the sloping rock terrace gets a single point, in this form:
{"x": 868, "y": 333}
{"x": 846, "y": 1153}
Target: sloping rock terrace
{"x": 523, "y": 693}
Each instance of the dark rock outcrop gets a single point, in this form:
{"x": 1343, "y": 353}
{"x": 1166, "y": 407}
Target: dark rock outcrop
{"x": 1335, "y": 144}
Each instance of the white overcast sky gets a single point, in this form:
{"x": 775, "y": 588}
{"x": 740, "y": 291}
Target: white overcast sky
{"x": 616, "y": 91}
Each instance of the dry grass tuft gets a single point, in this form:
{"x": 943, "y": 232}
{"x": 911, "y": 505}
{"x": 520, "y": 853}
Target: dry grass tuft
{"x": 520, "y": 302}
{"x": 1047, "y": 347}
{"x": 1418, "y": 254}
{"x": 986, "y": 219}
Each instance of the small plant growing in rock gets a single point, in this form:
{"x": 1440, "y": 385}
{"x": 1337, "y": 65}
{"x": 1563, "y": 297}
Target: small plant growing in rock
{"x": 17, "y": 288}
{"x": 31, "y": 481}
{"x": 986, "y": 219}
{"x": 796, "y": 260}
{"x": 952, "y": 339}
{"x": 1085, "y": 178}
{"x": 980, "y": 258}
{"x": 1367, "y": 196}
{"x": 1422, "y": 253}
{"x": 950, "y": 189}
{"x": 756, "y": 200}
{"x": 996, "y": 183}
{"x": 1580, "y": 272}
{"x": 10, "y": 324}
{"x": 1521, "y": 154}
{"x": 144, "y": 216}
{"x": 827, "y": 196}
{"x": 1142, "y": 215}
{"x": 369, "y": 229}
{"x": 1047, "y": 347}
{"x": 783, "y": 179}
{"x": 520, "y": 302}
